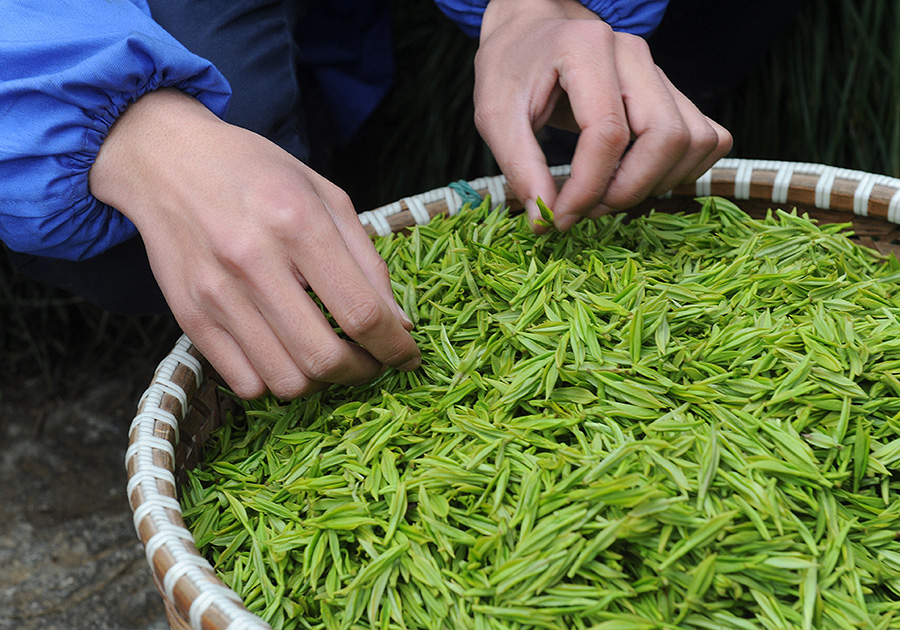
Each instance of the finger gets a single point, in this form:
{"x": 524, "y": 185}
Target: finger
{"x": 265, "y": 338}
{"x": 723, "y": 147}
{"x": 289, "y": 317}
{"x": 510, "y": 136}
{"x": 195, "y": 308}
{"x": 721, "y": 144}
{"x": 280, "y": 372}
{"x": 256, "y": 296}
{"x": 337, "y": 279}
{"x": 598, "y": 110}
{"x": 251, "y": 360}
{"x": 362, "y": 249}
{"x": 229, "y": 360}
{"x": 662, "y": 137}
{"x": 709, "y": 141}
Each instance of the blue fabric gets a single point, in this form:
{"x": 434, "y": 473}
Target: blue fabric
{"x": 346, "y": 45}
{"x": 638, "y": 17}
{"x": 67, "y": 70}
{"x": 251, "y": 43}
{"x": 466, "y": 13}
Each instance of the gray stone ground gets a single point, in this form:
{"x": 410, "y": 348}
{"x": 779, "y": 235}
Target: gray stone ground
{"x": 69, "y": 557}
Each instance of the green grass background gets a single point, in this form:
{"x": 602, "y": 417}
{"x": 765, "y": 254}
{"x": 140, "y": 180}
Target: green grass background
{"x": 828, "y": 91}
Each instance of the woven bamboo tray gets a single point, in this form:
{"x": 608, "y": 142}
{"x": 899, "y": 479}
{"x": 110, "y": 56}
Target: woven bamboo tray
{"x": 183, "y": 404}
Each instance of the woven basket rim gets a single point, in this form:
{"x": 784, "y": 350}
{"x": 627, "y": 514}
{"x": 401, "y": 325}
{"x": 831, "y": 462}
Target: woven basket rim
{"x": 186, "y": 580}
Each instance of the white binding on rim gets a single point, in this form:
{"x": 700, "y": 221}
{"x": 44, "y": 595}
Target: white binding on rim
{"x": 168, "y": 387}
{"x": 168, "y": 535}
{"x": 417, "y": 209}
{"x": 391, "y": 208}
{"x": 207, "y": 597}
{"x": 453, "y": 200}
{"x": 784, "y": 173}
{"x": 153, "y": 441}
{"x": 703, "y": 184}
{"x": 151, "y": 415}
{"x": 244, "y": 620}
{"x": 893, "y": 214}
{"x": 192, "y": 362}
{"x": 144, "y": 431}
{"x": 861, "y": 195}
{"x": 823, "y": 188}
{"x": 156, "y": 507}
{"x": 149, "y": 472}
{"x": 782, "y": 182}
{"x": 495, "y": 188}
{"x": 180, "y": 568}
{"x": 742, "y": 178}
{"x": 561, "y": 170}
{"x": 376, "y": 219}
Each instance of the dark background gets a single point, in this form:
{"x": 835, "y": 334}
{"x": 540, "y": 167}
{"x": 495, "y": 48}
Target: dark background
{"x": 71, "y": 375}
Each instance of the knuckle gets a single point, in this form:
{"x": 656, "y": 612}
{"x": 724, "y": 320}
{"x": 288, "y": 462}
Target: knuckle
{"x": 288, "y": 212}
{"x": 209, "y": 289}
{"x": 577, "y": 32}
{"x": 288, "y": 219}
{"x": 337, "y": 197}
{"x": 635, "y": 44}
{"x": 706, "y": 140}
{"x": 486, "y": 112}
{"x": 676, "y": 137}
{"x": 615, "y": 132}
{"x": 237, "y": 255}
{"x": 724, "y": 142}
{"x": 248, "y": 389}
{"x": 400, "y": 355}
{"x": 288, "y": 388}
{"x": 325, "y": 362}
{"x": 364, "y": 316}
{"x": 377, "y": 265}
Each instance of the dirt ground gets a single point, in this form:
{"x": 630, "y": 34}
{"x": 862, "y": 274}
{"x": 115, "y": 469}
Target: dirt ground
{"x": 69, "y": 556}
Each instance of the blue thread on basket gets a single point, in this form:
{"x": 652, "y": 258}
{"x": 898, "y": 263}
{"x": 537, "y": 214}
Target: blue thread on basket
{"x": 464, "y": 189}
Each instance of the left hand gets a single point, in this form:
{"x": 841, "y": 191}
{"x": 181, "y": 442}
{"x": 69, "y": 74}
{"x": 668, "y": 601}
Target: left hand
{"x": 555, "y": 62}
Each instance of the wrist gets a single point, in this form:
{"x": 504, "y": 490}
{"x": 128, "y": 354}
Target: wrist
{"x": 499, "y": 12}
{"x": 144, "y": 136}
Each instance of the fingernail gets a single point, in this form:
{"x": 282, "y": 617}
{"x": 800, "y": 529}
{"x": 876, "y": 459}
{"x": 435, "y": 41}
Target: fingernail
{"x": 411, "y": 365}
{"x": 532, "y": 210}
{"x": 404, "y": 316}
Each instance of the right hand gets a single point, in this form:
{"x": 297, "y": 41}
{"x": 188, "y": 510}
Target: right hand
{"x": 237, "y": 230}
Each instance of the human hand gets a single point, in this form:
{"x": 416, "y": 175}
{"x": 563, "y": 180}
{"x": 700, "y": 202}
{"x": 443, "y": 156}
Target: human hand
{"x": 555, "y": 62}
{"x": 236, "y": 231}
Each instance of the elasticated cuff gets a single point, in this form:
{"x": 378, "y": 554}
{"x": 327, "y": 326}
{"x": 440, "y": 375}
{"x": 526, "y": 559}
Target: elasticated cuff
{"x": 71, "y": 71}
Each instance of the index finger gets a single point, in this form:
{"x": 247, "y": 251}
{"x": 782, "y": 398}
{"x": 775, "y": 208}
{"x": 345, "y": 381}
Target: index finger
{"x": 358, "y": 307}
{"x": 360, "y": 246}
{"x": 520, "y": 158}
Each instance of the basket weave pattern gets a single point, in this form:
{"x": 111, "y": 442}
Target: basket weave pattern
{"x": 184, "y": 402}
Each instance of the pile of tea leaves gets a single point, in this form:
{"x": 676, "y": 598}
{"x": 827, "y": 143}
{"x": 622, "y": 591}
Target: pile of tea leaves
{"x": 679, "y": 421}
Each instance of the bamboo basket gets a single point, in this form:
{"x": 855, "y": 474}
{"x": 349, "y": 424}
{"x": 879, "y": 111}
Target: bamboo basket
{"x": 184, "y": 403}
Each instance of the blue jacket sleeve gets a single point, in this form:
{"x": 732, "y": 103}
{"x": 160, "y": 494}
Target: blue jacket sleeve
{"x": 67, "y": 70}
{"x": 638, "y": 17}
